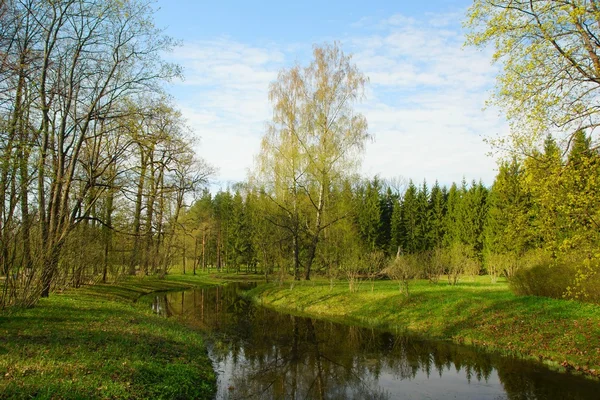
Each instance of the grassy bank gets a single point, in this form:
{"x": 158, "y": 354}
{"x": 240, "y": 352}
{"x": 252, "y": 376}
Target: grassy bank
{"x": 98, "y": 342}
{"x": 563, "y": 334}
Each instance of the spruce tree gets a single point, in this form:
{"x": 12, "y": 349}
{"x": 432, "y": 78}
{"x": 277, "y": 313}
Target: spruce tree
{"x": 437, "y": 209}
{"x": 410, "y": 210}
{"x": 386, "y": 205}
{"x": 368, "y": 212}
{"x": 507, "y": 224}
{"x": 423, "y": 218}
{"x": 451, "y": 228}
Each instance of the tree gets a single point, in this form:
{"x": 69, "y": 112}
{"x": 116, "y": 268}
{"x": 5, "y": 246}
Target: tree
{"x": 91, "y": 153}
{"x": 410, "y": 210}
{"x": 437, "y": 206}
{"x": 386, "y": 205}
{"x": 397, "y": 228}
{"x": 368, "y": 215}
{"x": 423, "y": 218}
{"x": 507, "y": 232}
{"x": 550, "y": 59}
{"x": 313, "y": 142}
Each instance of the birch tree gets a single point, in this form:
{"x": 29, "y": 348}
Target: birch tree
{"x": 315, "y": 140}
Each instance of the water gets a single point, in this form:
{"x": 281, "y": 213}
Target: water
{"x": 261, "y": 354}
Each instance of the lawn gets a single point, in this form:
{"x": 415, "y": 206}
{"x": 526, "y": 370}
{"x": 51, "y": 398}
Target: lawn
{"x": 99, "y": 342}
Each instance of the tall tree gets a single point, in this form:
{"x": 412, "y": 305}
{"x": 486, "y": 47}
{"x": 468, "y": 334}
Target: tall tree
{"x": 423, "y": 218}
{"x": 507, "y": 228}
{"x": 410, "y": 212}
{"x": 313, "y": 142}
{"x": 368, "y": 213}
{"x": 437, "y": 207}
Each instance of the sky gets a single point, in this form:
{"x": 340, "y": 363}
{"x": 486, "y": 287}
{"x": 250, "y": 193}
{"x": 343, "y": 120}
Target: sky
{"x": 425, "y": 100}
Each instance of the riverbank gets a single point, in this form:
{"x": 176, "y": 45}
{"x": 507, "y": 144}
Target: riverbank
{"x": 99, "y": 342}
{"x": 562, "y": 334}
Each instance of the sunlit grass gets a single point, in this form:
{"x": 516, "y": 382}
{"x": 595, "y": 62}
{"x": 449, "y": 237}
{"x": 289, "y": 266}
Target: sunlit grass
{"x": 95, "y": 342}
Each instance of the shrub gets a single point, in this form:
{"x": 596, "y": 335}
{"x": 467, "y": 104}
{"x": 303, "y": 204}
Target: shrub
{"x": 438, "y": 263}
{"x": 461, "y": 260}
{"x": 402, "y": 269}
{"x": 572, "y": 275}
{"x": 544, "y": 278}
{"x": 501, "y": 264}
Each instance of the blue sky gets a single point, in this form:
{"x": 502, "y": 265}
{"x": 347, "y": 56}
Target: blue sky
{"x": 424, "y": 103}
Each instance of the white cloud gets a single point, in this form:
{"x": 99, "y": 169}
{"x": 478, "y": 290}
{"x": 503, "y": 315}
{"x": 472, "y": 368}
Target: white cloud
{"x": 424, "y": 101}
{"x": 427, "y": 116}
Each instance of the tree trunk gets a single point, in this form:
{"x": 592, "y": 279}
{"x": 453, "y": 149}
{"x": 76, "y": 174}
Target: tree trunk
{"x": 135, "y": 253}
{"x": 49, "y": 268}
{"x": 317, "y": 232}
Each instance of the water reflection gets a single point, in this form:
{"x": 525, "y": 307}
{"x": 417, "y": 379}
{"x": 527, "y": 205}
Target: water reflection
{"x": 262, "y": 354}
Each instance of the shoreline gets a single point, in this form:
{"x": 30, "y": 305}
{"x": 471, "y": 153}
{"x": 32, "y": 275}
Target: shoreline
{"x": 562, "y": 335}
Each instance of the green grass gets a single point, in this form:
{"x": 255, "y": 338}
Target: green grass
{"x": 98, "y": 342}
{"x": 563, "y": 334}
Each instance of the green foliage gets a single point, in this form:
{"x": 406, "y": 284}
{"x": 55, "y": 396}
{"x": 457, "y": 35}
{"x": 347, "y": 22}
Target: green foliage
{"x": 396, "y": 228}
{"x": 409, "y": 241}
{"x": 507, "y": 232}
{"x": 539, "y": 96}
{"x": 423, "y": 226}
{"x": 368, "y": 212}
{"x": 437, "y": 207}
{"x": 541, "y": 276}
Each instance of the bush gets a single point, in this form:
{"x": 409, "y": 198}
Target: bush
{"x": 506, "y": 264}
{"x": 571, "y": 276}
{"x": 437, "y": 263}
{"x": 402, "y": 269}
{"x": 544, "y": 278}
{"x": 461, "y": 259}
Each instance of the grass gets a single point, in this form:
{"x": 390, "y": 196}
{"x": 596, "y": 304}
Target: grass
{"x": 563, "y": 334}
{"x": 98, "y": 342}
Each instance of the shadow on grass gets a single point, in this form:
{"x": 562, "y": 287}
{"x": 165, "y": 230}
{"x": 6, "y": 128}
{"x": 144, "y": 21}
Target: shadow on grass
{"x": 100, "y": 350}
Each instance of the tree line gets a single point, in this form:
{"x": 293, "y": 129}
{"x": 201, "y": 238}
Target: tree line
{"x": 536, "y": 225}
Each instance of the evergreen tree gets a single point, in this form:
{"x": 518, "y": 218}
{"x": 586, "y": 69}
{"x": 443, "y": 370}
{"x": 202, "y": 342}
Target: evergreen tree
{"x": 423, "y": 218}
{"x": 240, "y": 236}
{"x": 410, "y": 210}
{"x": 397, "y": 227}
{"x": 386, "y": 205}
{"x": 437, "y": 209}
{"x": 543, "y": 175}
{"x": 581, "y": 205}
{"x": 452, "y": 218}
{"x": 223, "y": 246}
{"x": 507, "y": 225}
{"x": 369, "y": 212}
{"x": 476, "y": 207}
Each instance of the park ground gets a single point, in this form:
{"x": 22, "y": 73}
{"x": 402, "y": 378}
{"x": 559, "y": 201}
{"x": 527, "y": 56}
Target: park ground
{"x": 103, "y": 341}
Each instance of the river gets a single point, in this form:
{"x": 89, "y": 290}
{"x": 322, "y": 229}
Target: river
{"x": 262, "y": 354}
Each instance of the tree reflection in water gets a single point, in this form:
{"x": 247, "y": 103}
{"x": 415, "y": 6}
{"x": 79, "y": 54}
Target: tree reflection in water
{"x": 262, "y": 354}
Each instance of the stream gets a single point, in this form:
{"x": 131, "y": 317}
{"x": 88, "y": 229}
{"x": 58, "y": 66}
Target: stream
{"x": 259, "y": 353}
